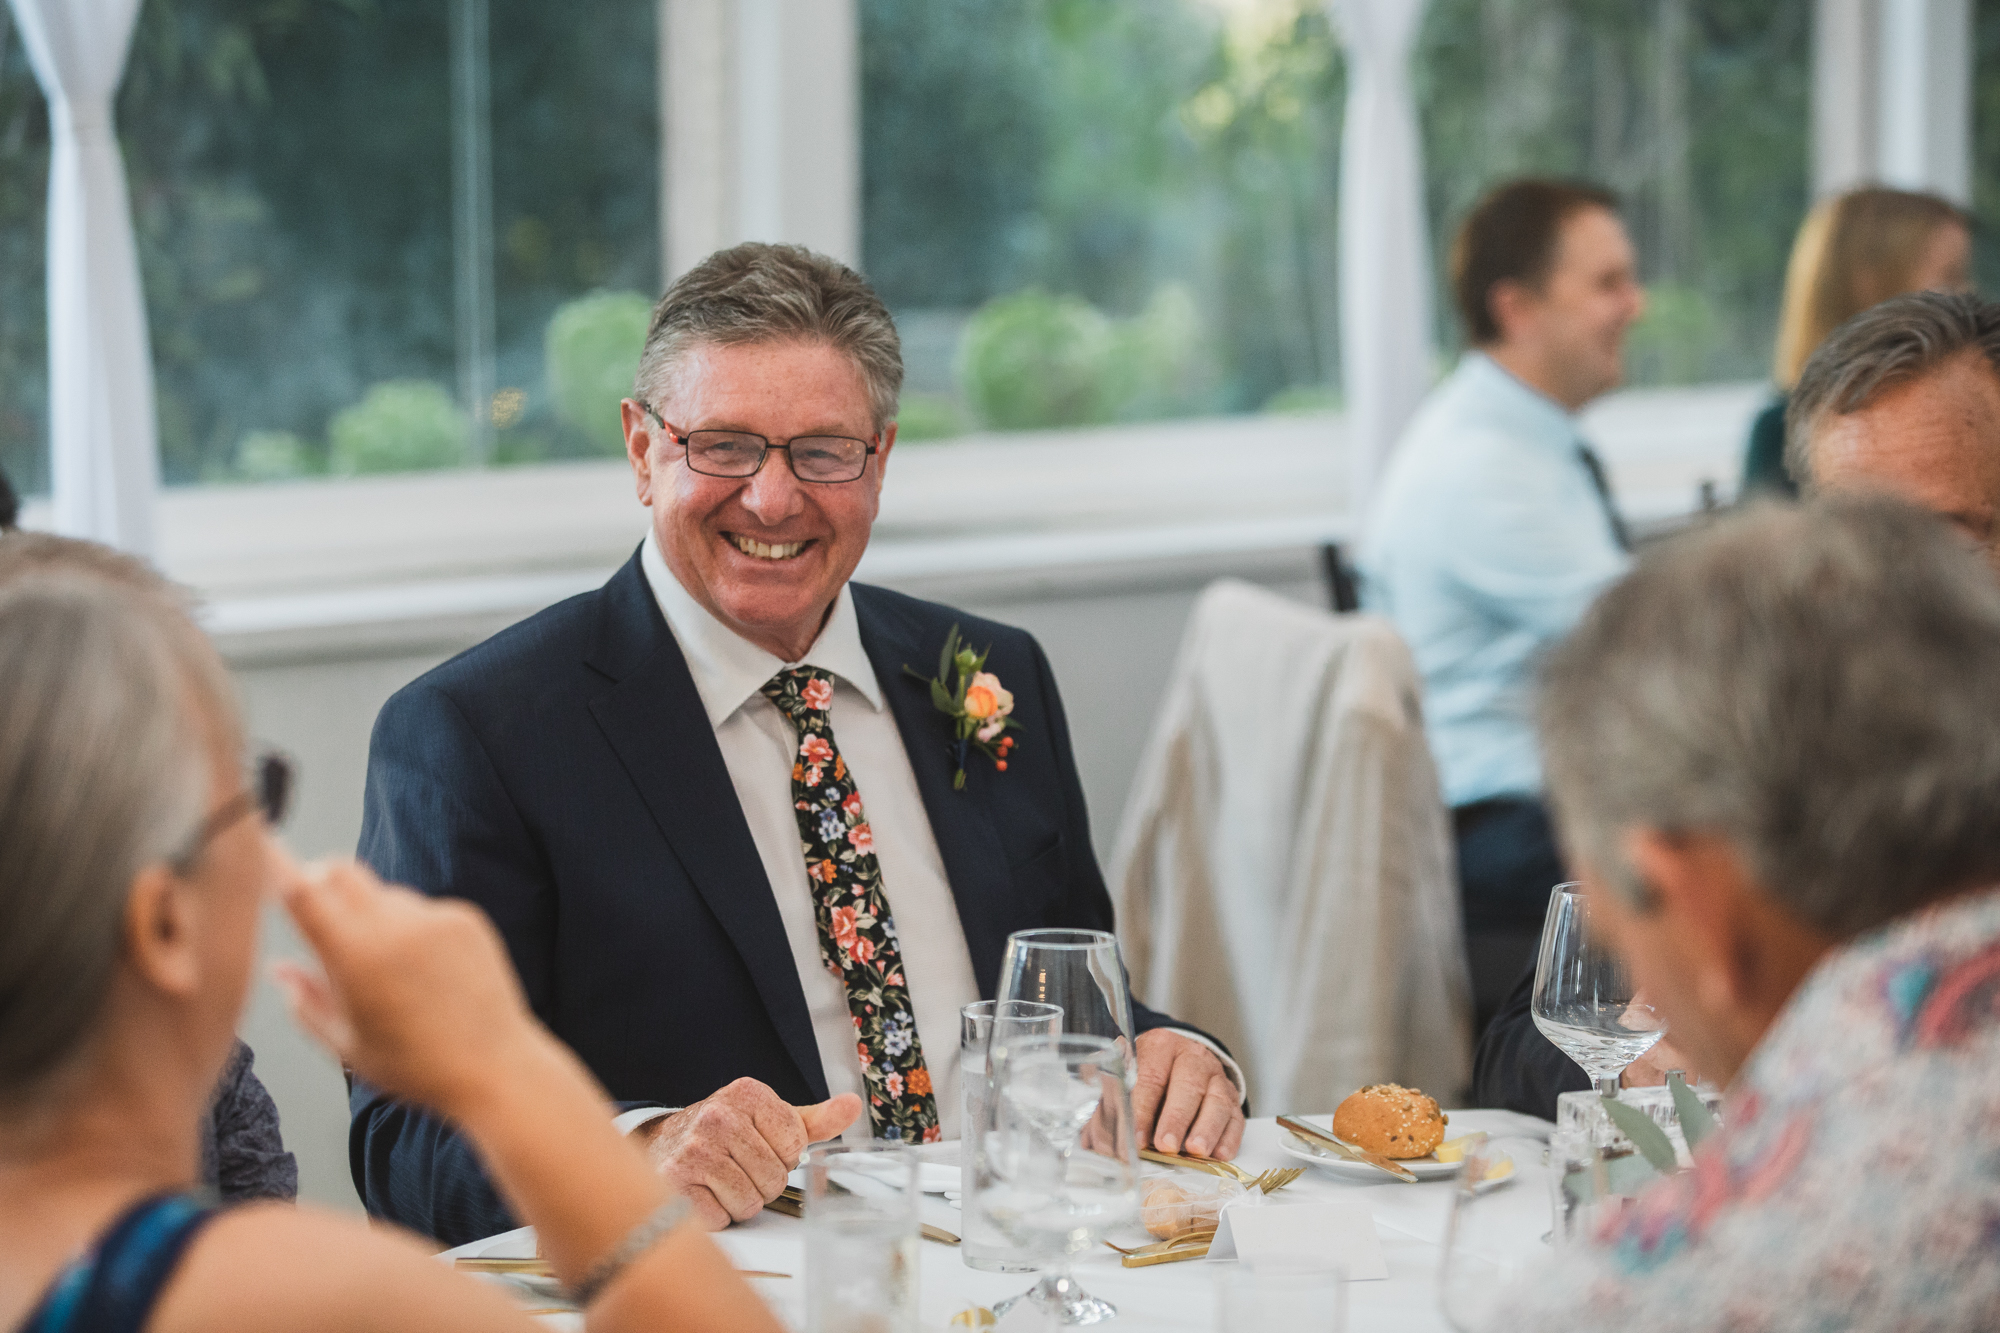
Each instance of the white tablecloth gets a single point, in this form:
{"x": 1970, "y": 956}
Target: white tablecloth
{"x": 1409, "y": 1220}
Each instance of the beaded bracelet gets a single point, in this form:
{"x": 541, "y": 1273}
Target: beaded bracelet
{"x": 640, "y": 1239}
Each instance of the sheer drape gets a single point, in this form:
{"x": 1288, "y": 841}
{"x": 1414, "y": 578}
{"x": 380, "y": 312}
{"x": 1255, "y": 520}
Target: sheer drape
{"x": 103, "y": 439}
{"x": 1385, "y": 271}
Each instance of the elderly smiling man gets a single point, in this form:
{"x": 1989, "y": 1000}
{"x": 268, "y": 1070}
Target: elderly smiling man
{"x": 727, "y": 837}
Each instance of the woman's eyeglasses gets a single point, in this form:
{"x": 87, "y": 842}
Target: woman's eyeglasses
{"x": 268, "y": 790}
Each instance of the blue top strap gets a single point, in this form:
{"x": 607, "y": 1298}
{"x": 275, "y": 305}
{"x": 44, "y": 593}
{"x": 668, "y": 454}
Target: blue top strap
{"x": 113, "y": 1287}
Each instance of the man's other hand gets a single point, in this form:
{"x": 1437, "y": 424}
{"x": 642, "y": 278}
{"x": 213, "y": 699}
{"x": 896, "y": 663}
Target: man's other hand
{"x": 1185, "y": 1099}
{"x": 730, "y": 1153}
{"x": 1650, "y": 1069}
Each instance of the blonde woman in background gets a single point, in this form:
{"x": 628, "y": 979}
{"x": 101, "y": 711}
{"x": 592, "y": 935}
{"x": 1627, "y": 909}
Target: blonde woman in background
{"x": 1853, "y": 251}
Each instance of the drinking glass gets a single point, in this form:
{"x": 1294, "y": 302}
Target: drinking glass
{"x": 1482, "y": 1245}
{"x": 1280, "y": 1298}
{"x": 1052, "y": 1189}
{"x": 1081, "y": 972}
{"x": 1584, "y": 999}
{"x": 980, "y": 1024}
{"x": 861, "y": 1238}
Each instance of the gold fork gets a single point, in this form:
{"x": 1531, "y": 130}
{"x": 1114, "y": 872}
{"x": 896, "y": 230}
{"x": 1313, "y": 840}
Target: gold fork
{"x": 1270, "y": 1182}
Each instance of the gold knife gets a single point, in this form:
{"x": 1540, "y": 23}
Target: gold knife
{"x": 1207, "y": 1164}
{"x": 792, "y": 1203}
{"x": 1347, "y": 1150}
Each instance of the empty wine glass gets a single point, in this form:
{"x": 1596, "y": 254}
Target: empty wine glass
{"x": 1584, "y": 997}
{"x": 1052, "y": 1191}
{"x": 1079, "y": 970}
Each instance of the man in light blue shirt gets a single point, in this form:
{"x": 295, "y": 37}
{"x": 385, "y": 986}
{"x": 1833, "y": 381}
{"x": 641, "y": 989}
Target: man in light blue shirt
{"x": 1493, "y": 529}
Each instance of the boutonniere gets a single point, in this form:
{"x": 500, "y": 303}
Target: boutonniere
{"x": 978, "y": 705}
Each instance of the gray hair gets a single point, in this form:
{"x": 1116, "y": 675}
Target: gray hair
{"x": 753, "y": 293}
{"x": 104, "y": 770}
{"x": 1816, "y": 684}
{"x": 1903, "y": 338}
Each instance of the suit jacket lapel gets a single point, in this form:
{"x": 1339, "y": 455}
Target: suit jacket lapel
{"x": 655, "y": 722}
{"x": 975, "y": 858}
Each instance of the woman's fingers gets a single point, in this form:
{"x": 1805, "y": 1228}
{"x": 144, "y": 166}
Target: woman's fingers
{"x": 314, "y": 1006}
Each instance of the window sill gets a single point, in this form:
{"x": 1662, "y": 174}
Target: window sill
{"x": 360, "y": 566}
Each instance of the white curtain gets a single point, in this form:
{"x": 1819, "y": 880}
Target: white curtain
{"x": 103, "y": 439}
{"x": 1385, "y": 271}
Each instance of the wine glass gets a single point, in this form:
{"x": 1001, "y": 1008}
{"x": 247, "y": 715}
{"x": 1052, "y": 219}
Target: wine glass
{"x": 1052, "y": 1191}
{"x": 1584, "y": 998}
{"x": 1079, "y": 970}
{"x": 1483, "y": 1253}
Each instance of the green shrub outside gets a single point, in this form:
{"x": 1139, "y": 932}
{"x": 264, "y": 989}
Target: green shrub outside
{"x": 1032, "y": 360}
{"x": 590, "y": 351}
{"x": 929, "y": 416}
{"x": 273, "y": 455}
{"x": 398, "y": 426}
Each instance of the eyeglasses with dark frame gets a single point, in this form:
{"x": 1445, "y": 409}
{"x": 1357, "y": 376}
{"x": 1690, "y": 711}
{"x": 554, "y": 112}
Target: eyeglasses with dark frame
{"x": 268, "y": 791}
{"x": 824, "y": 459}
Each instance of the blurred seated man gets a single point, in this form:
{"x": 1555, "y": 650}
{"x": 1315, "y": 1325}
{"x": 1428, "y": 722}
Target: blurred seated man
{"x": 742, "y": 862}
{"x": 1494, "y": 528}
{"x": 1902, "y": 399}
{"x": 1773, "y": 755}
{"x": 135, "y": 862}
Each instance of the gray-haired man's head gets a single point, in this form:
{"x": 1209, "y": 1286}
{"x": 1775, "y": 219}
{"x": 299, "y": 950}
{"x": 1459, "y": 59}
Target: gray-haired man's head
{"x": 1818, "y": 686}
{"x": 1905, "y": 399}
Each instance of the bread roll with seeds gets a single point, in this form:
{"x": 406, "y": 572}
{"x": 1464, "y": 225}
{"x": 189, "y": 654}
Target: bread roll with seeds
{"x": 1391, "y": 1119}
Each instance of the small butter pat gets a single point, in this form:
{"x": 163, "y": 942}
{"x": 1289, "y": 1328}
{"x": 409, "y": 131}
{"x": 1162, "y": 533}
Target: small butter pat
{"x": 1453, "y": 1150}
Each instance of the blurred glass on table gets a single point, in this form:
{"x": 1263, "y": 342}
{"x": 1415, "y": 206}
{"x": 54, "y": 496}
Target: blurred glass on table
{"x": 1266, "y": 1298}
{"x": 862, "y": 1222}
{"x": 1482, "y": 1244}
{"x": 982, "y": 1024}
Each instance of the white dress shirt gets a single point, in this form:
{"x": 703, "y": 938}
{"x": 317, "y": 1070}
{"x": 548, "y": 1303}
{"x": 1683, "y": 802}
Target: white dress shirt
{"x": 758, "y": 747}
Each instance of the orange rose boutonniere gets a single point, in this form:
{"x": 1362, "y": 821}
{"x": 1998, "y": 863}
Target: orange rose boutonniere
{"x": 978, "y": 705}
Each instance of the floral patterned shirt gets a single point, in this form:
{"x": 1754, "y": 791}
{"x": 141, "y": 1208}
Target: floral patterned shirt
{"x": 1856, "y": 1180}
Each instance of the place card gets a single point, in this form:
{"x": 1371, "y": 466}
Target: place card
{"x": 1332, "y": 1231}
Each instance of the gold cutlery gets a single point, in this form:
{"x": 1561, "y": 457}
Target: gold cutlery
{"x": 1270, "y": 1182}
{"x": 1316, "y": 1136}
{"x": 1188, "y": 1245}
{"x": 792, "y": 1203}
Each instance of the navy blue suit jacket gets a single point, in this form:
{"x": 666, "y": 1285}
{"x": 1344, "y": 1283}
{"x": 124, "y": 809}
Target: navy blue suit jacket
{"x": 564, "y": 776}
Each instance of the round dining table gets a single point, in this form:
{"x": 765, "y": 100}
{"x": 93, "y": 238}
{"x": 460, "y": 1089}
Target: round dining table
{"x": 1409, "y": 1225}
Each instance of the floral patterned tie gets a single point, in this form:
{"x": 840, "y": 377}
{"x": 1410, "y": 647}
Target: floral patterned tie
{"x": 857, "y": 936}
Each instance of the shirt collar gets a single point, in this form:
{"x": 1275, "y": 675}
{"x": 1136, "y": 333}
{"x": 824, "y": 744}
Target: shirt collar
{"x": 1529, "y": 409}
{"x": 728, "y": 669}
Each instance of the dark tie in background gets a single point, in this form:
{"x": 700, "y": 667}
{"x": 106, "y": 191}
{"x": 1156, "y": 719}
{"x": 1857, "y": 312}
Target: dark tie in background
{"x": 1595, "y": 467}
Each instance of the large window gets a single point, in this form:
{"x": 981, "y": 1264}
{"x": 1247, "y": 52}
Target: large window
{"x": 374, "y": 234}
{"x": 1097, "y": 210}
{"x": 1695, "y": 111}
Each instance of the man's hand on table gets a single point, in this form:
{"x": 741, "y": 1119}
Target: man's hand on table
{"x": 1650, "y": 1069}
{"x": 1185, "y": 1100}
{"x": 730, "y": 1153}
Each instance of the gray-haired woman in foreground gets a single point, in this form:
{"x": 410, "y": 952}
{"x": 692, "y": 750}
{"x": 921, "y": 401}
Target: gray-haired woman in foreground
{"x": 133, "y": 863}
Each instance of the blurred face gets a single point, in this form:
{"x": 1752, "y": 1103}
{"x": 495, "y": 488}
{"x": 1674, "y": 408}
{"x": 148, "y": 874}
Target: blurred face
{"x": 765, "y": 554}
{"x": 1568, "y": 338}
{"x": 1946, "y": 263}
{"x": 1934, "y": 441}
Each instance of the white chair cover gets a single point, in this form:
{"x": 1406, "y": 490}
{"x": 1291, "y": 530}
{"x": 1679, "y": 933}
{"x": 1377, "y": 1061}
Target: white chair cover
{"x": 1284, "y": 871}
